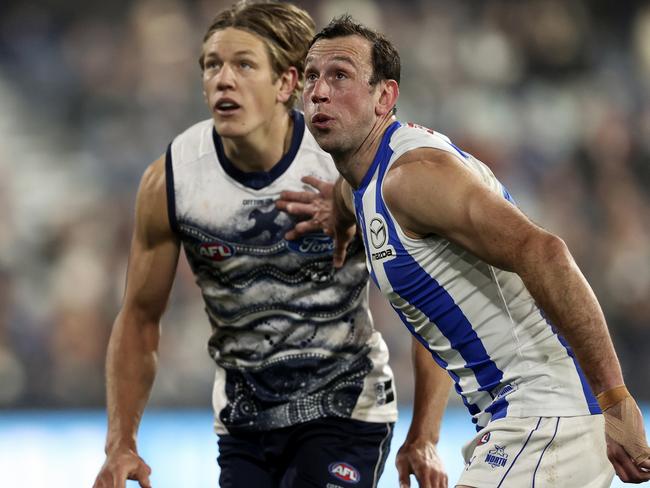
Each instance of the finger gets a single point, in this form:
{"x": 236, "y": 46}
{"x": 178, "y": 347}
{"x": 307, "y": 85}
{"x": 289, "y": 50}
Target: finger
{"x": 321, "y": 185}
{"x": 144, "y": 477}
{"x": 294, "y": 208}
{"x": 308, "y": 226}
{"x": 438, "y": 479}
{"x": 424, "y": 477}
{"x": 645, "y": 464}
{"x": 339, "y": 253}
{"x": 298, "y": 196}
{"x": 624, "y": 465}
{"x": 441, "y": 480}
{"x": 302, "y": 228}
{"x": 119, "y": 479}
{"x": 404, "y": 475}
{"x": 620, "y": 472}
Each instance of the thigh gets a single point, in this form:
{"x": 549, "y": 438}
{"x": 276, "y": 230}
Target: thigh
{"x": 242, "y": 464}
{"x": 337, "y": 453}
{"x": 547, "y": 452}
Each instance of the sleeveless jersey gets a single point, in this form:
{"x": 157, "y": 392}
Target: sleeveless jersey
{"x": 479, "y": 322}
{"x": 293, "y": 340}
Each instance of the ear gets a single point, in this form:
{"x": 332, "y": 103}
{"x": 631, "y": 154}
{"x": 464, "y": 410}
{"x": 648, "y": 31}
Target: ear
{"x": 388, "y": 95}
{"x": 287, "y": 82}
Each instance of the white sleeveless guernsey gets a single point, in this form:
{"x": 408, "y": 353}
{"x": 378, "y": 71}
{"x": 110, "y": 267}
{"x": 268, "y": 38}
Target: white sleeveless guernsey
{"x": 293, "y": 339}
{"x": 478, "y": 322}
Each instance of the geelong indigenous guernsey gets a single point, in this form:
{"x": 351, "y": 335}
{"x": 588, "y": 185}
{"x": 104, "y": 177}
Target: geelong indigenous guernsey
{"x": 479, "y": 322}
{"x": 293, "y": 340}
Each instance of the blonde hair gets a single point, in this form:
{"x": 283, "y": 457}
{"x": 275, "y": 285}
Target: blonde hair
{"x": 285, "y": 29}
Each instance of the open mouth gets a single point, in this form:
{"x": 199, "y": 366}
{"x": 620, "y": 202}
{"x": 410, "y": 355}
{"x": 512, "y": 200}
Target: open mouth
{"x": 226, "y": 106}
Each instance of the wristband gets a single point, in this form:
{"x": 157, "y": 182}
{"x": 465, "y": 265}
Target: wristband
{"x": 611, "y": 397}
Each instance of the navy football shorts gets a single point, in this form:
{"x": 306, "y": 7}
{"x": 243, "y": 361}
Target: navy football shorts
{"x": 325, "y": 453}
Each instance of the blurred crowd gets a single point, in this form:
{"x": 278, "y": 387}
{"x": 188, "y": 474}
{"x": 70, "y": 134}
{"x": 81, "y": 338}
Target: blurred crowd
{"x": 553, "y": 94}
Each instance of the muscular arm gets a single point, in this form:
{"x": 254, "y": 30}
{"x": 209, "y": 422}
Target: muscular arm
{"x": 432, "y": 192}
{"x": 131, "y": 358}
{"x": 418, "y": 454}
{"x": 447, "y": 199}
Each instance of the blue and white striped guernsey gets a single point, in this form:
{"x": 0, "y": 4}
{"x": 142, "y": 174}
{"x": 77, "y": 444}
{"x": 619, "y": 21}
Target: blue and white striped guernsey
{"x": 479, "y": 322}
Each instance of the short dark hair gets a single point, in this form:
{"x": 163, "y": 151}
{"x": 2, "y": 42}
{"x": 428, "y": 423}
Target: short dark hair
{"x": 386, "y": 63}
{"x": 284, "y": 28}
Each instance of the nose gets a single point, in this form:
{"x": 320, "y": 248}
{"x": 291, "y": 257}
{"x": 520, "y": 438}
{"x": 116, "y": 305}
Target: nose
{"x": 225, "y": 77}
{"x": 320, "y": 92}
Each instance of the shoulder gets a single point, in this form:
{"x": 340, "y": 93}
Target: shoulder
{"x": 421, "y": 166}
{"x": 152, "y": 220}
{"x": 421, "y": 179}
{"x": 198, "y": 128}
{"x": 192, "y": 143}
{"x": 409, "y": 136}
{"x": 153, "y": 180}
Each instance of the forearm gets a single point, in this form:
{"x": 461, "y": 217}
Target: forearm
{"x": 562, "y": 292}
{"x": 432, "y": 384}
{"x": 131, "y": 365}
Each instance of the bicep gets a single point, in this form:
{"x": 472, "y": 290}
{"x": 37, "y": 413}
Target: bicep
{"x": 493, "y": 229}
{"x": 447, "y": 199}
{"x": 154, "y": 250}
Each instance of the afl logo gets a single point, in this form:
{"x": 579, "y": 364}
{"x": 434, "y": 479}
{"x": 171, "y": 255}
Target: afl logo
{"x": 216, "y": 251}
{"x": 377, "y": 232}
{"x": 344, "y": 472}
{"x": 485, "y": 438}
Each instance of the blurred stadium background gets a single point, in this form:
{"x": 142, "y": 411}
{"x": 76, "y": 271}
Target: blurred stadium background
{"x": 553, "y": 94}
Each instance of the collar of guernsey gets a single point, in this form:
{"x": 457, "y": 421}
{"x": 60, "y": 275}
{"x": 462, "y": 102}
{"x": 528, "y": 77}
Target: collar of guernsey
{"x": 260, "y": 179}
{"x": 384, "y": 149}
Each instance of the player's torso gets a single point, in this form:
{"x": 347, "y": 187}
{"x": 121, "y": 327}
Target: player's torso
{"x": 285, "y": 325}
{"x": 478, "y": 321}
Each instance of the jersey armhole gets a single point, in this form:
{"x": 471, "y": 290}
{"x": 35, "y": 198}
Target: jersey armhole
{"x": 169, "y": 183}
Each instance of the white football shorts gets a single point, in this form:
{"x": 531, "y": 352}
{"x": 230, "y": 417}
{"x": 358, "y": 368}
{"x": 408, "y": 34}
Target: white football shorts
{"x": 539, "y": 452}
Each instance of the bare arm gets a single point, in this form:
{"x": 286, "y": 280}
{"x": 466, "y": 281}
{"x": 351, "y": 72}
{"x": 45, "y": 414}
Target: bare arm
{"x": 418, "y": 454}
{"x": 132, "y": 350}
{"x": 465, "y": 211}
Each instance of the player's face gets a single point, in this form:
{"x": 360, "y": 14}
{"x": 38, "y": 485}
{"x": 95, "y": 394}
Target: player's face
{"x": 338, "y": 99}
{"x": 238, "y": 82}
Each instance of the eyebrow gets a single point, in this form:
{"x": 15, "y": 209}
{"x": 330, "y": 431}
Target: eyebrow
{"x": 340, "y": 57}
{"x": 242, "y": 52}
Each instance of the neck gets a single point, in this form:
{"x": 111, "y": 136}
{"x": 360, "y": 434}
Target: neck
{"x": 353, "y": 164}
{"x": 261, "y": 149}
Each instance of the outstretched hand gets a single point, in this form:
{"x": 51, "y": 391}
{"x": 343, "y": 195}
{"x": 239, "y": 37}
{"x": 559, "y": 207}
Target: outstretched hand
{"x": 420, "y": 458}
{"x": 321, "y": 212}
{"x": 121, "y": 466}
{"x": 627, "y": 447}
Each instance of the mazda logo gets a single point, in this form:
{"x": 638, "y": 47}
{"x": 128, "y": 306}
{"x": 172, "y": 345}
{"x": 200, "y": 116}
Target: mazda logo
{"x": 377, "y": 232}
